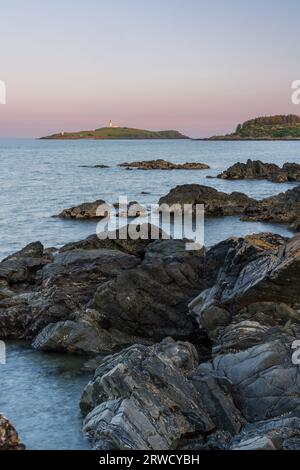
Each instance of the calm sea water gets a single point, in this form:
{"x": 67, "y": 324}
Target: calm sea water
{"x": 40, "y": 392}
{"x": 40, "y": 178}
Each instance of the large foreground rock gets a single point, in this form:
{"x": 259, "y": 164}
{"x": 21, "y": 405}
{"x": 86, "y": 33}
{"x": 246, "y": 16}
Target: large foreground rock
{"x": 151, "y": 300}
{"x": 141, "y": 304}
{"x": 255, "y": 169}
{"x": 9, "y": 439}
{"x": 142, "y": 399}
{"x": 157, "y": 398}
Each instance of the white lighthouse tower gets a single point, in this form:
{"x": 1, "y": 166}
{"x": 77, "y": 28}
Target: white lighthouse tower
{"x": 111, "y": 124}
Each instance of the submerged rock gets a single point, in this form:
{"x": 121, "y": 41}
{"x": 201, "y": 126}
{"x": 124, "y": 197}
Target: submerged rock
{"x": 255, "y": 169}
{"x": 9, "y": 439}
{"x": 99, "y": 165}
{"x": 165, "y": 165}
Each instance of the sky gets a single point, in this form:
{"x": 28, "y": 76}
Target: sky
{"x": 197, "y": 66}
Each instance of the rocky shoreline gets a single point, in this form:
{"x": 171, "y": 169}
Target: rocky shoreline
{"x": 191, "y": 350}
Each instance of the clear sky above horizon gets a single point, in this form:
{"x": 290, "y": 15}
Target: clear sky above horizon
{"x": 197, "y": 66}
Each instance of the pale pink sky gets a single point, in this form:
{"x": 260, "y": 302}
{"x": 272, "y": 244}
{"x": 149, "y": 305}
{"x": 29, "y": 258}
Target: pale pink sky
{"x": 196, "y": 66}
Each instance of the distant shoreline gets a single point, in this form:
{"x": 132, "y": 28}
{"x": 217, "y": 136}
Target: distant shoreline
{"x": 212, "y": 139}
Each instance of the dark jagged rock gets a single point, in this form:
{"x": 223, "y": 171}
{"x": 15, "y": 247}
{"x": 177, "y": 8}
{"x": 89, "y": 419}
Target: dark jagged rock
{"x": 86, "y": 210}
{"x": 255, "y": 297}
{"x": 281, "y": 433}
{"x": 141, "y": 399}
{"x": 165, "y": 165}
{"x": 255, "y": 169}
{"x": 151, "y": 299}
{"x": 238, "y": 303}
{"x": 21, "y": 267}
{"x": 15, "y": 315}
{"x": 125, "y": 244}
{"x": 9, "y": 439}
{"x": 263, "y": 378}
{"x": 258, "y": 271}
{"x": 82, "y": 336}
{"x": 282, "y": 208}
{"x": 142, "y": 304}
{"x": 90, "y": 210}
{"x": 216, "y": 203}
{"x": 68, "y": 284}
{"x": 146, "y": 290}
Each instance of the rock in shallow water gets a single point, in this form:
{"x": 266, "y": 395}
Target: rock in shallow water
{"x": 9, "y": 439}
{"x": 86, "y": 210}
{"x": 216, "y": 203}
{"x": 255, "y": 169}
{"x": 165, "y": 165}
{"x": 282, "y": 208}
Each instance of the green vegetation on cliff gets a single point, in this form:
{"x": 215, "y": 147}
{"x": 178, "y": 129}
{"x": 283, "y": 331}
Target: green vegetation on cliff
{"x": 107, "y": 133}
{"x": 280, "y": 127}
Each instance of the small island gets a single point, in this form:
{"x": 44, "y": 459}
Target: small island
{"x": 114, "y": 132}
{"x": 279, "y": 127}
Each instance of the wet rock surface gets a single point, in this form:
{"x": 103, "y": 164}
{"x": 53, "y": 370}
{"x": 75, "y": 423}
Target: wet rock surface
{"x": 255, "y": 169}
{"x": 282, "y": 208}
{"x": 86, "y": 210}
{"x": 216, "y": 203}
{"x": 9, "y": 439}
{"x": 141, "y": 398}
